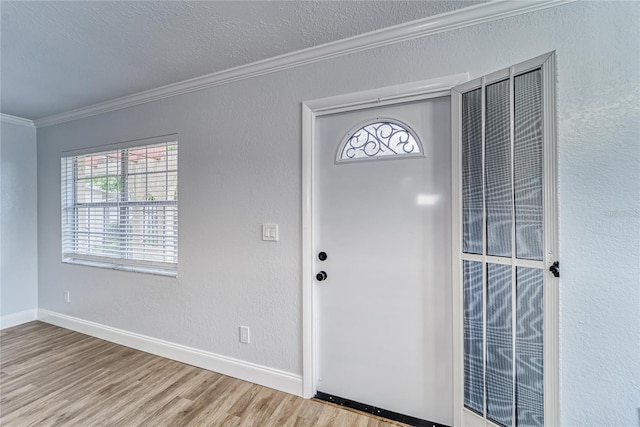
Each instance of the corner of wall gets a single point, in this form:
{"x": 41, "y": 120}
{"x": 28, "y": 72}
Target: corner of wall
{"x": 18, "y": 221}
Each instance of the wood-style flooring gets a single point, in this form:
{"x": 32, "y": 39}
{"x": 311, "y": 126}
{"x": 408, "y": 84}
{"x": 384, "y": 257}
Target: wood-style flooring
{"x": 50, "y": 376}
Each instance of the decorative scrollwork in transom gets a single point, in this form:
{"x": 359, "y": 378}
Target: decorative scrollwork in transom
{"x": 381, "y": 138}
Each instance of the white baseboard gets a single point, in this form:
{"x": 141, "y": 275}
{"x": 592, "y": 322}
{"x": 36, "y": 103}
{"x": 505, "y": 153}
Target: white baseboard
{"x": 258, "y": 374}
{"x": 19, "y": 318}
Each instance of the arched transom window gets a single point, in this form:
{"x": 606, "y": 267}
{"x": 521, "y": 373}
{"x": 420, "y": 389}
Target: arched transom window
{"x": 382, "y": 138}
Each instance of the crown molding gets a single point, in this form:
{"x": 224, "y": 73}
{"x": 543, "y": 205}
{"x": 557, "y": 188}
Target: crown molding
{"x": 6, "y": 118}
{"x": 461, "y": 18}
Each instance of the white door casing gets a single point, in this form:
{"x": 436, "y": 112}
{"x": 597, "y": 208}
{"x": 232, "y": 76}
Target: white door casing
{"x": 311, "y": 111}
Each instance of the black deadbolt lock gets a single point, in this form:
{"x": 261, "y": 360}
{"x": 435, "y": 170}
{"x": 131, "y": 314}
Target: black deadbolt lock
{"x": 321, "y": 276}
{"x": 322, "y": 256}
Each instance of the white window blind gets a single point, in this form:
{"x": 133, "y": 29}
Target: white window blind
{"x": 120, "y": 208}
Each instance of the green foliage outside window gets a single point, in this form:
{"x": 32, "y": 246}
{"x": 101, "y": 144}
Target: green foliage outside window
{"x": 111, "y": 183}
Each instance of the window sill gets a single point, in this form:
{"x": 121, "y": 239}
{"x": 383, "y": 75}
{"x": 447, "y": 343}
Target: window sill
{"x": 113, "y": 266}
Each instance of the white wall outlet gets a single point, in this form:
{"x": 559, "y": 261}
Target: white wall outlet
{"x": 270, "y": 232}
{"x": 67, "y": 297}
{"x": 244, "y": 334}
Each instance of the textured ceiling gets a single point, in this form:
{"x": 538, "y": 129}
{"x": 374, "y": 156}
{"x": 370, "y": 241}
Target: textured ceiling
{"x": 57, "y": 55}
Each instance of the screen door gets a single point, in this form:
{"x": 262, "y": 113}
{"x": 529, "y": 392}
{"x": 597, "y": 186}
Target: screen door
{"x": 506, "y": 242}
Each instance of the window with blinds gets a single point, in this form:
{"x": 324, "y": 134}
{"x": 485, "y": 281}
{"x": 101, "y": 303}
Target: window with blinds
{"x": 120, "y": 208}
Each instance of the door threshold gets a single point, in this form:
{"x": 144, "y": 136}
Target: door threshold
{"x": 378, "y": 412}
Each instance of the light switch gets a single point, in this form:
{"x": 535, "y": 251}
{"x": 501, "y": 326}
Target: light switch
{"x": 270, "y": 232}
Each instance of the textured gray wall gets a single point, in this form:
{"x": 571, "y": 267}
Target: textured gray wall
{"x": 240, "y": 166}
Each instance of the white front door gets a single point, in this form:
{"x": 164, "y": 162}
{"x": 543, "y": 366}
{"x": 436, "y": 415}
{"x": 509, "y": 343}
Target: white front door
{"x": 384, "y": 319}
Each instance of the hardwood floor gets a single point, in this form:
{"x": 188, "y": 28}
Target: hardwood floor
{"x": 50, "y": 376}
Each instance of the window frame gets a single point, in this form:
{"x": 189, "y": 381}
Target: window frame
{"x": 70, "y": 207}
{"x": 376, "y": 157}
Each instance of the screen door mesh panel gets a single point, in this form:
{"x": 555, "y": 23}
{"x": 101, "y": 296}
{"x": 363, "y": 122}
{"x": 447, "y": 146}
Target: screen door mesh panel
{"x": 473, "y": 359}
{"x": 472, "y": 172}
{"x": 499, "y": 345}
{"x": 499, "y": 196}
{"x": 528, "y": 165}
{"x": 502, "y": 171}
{"x": 529, "y": 347}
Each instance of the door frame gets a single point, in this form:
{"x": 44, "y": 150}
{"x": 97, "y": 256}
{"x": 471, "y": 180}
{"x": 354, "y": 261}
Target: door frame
{"x": 311, "y": 110}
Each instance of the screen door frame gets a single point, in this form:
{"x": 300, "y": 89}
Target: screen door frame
{"x": 546, "y": 62}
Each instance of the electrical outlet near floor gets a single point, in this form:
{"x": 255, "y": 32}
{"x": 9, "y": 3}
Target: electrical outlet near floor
{"x": 67, "y": 297}
{"x": 244, "y": 334}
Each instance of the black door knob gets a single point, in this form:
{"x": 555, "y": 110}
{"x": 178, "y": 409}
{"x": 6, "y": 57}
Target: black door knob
{"x": 322, "y": 256}
{"x": 321, "y": 276}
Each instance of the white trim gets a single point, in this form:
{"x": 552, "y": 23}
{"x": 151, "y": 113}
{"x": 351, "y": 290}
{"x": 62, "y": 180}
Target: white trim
{"x": 470, "y": 418}
{"x": 308, "y": 243}
{"x": 503, "y": 74}
{"x": 384, "y": 96}
{"x": 514, "y": 250}
{"x": 457, "y": 293}
{"x": 439, "y": 86}
{"x": 483, "y": 104}
{"x": 310, "y": 111}
{"x": 461, "y": 18}
{"x": 552, "y": 289}
{"x": 19, "y": 318}
{"x": 14, "y": 120}
{"x": 518, "y": 262}
{"x": 133, "y": 143}
{"x": 258, "y": 374}
{"x": 89, "y": 261}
